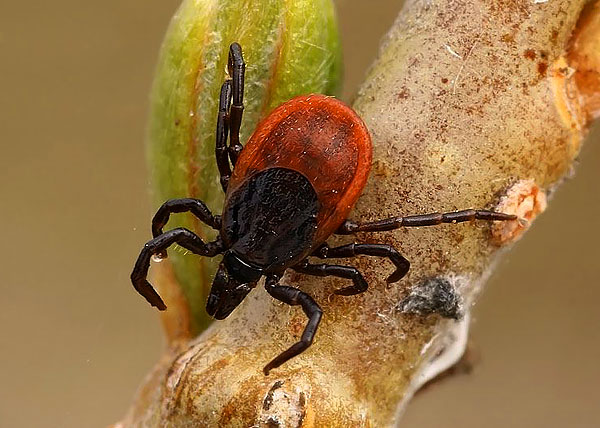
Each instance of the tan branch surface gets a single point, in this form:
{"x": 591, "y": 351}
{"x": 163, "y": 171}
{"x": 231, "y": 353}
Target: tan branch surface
{"x": 471, "y": 104}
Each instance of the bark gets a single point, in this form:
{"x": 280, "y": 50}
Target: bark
{"x": 471, "y": 103}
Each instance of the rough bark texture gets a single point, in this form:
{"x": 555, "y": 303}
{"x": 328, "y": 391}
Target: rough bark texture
{"x": 472, "y": 103}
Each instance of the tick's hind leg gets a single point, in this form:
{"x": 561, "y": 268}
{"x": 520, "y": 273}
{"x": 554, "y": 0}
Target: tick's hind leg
{"x": 237, "y": 69}
{"x": 181, "y": 236}
{"x": 349, "y": 227}
{"x": 293, "y": 296}
{"x": 348, "y": 272}
{"x": 379, "y": 250}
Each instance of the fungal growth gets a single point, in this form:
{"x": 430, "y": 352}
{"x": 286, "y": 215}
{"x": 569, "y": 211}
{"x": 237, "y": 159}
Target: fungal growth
{"x": 433, "y": 296}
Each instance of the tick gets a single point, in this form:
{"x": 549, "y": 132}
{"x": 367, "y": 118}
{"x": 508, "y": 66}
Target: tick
{"x": 287, "y": 191}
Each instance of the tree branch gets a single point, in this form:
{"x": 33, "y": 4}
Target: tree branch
{"x": 471, "y": 103}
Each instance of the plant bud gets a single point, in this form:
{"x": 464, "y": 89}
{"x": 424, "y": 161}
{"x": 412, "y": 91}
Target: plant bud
{"x": 290, "y": 48}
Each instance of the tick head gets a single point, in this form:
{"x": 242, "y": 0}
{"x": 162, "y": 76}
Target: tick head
{"x": 233, "y": 281}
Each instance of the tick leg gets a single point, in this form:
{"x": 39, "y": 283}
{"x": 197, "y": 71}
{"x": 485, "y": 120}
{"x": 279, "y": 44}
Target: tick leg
{"x": 236, "y": 68}
{"x": 379, "y": 250}
{"x": 349, "y": 227}
{"x": 293, "y": 296}
{"x": 348, "y": 272}
{"x": 223, "y": 120}
{"x": 195, "y": 206}
{"x": 183, "y": 237}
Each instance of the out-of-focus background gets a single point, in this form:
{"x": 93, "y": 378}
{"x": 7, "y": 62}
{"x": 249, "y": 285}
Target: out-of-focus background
{"x": 76, "y": 340}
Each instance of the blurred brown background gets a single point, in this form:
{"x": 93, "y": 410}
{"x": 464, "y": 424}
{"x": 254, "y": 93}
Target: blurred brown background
{"x": 76, "y": 340}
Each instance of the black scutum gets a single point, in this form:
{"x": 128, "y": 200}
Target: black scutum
{"x": 271, "y": 219}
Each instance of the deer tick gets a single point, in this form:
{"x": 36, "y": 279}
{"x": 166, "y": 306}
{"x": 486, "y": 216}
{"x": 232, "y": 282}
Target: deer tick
{"x": 286, "y": 192}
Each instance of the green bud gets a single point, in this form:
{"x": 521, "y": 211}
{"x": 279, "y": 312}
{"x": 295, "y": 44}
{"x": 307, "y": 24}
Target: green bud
{"x": 290, "y": 48}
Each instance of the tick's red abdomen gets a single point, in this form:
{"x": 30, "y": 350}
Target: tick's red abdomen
{"x": 321, "y": 138}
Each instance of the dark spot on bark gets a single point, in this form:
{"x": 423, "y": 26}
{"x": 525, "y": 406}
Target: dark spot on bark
{"x": 302, "y": 402}
{"x": 272, "y": 423}
{"x": 508, "y": 38}
{"x": 444, "y": 80}
{"x": 419, "y": 136}
{"x": 530, "y": 54}
{"x": 302, "y": 399}
{"x": 268, "y": 401}
{"x": 404, "y": 93}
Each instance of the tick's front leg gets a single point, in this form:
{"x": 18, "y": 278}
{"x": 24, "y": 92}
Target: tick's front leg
{"x": 236, "y": 68}
{"x": 181, "y": 236}
{"x": 195, "y": 206}
{"x": 223, "y": 124}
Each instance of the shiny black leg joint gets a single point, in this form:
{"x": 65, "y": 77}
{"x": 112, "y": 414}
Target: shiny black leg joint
{"x": 379, "y": 250}
{"x": 359, "y": 284}
{"x": 236, "y": 68}
{"x": 223, "y": 123}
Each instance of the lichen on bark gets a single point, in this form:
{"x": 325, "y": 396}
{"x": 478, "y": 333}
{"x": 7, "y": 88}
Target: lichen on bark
{"x": 470, "y": 103}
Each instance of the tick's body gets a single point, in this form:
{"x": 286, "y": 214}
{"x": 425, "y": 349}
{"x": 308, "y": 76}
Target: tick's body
{"x": 292, "y": 186}
{"x": 295, "y": 182}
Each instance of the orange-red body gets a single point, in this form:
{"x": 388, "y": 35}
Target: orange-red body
{"x": 324, "y": 140}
